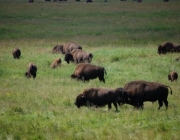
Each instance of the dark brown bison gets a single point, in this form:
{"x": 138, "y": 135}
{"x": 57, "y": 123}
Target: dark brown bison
{"x": 165, "y": 47}
{"x": 56, "y": 63}
{"x": 66, "y": 48}
{"x": 89, "y": 1}
{"x": 141, "y": 91}
{"x": 78, "y": 56}
{"x": 16, "y": 53}
{"x": 99, "y": 97}
{"x": 173, "y": 76}
{"x": 31, "y": 1}
{"x": 57, "y": 49}
{"x": 31, "y": 72}
{"x": 86, "y": 71}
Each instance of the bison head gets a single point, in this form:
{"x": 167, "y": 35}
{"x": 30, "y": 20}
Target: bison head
{"x": 169, "y": 76}
{"x": 122, "y": 96}
{"x": 73, "y": 76}
{"x": 80, "y": 100}
{"x": 68, "y": 57}
{"x": 27, "y": 74}
{"x": 159, "y": 49}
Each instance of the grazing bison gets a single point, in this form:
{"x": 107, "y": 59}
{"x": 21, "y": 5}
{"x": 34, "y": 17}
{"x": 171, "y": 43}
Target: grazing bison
{"x": 173, "y": 76}
{"x": 56, "y": 63}
{"x": 32, "y": 69}
{"x": 141, "y": 91}
{"x": 165, "y": 47}
{"x": 57, "y": 49}
{"x": 86, "y": 71}
{"x": 99, "y": 97}
{"x": 66, "y": 48}
{"x": 16, "y": 53}
{"x": 30, "y": 1}
{"x": 78, "y": 56}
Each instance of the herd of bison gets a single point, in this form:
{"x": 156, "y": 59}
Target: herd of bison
{"x": 134, "y": 93}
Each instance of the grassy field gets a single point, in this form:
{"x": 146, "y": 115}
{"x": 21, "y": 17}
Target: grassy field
{"x": 123, "y": 37}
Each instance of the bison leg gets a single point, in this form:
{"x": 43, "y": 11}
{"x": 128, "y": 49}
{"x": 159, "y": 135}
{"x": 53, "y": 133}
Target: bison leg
{"x": 160, "y": 104}
{"x": 115, "y": 105}
{"x": 101, "y": 79}
{"x": 166, "y": 103}
{"x": 109, "y": 106}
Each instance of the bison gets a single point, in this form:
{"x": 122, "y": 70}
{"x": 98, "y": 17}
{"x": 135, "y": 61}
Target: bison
{"x": 31, "y": 1}
{"x": 141, "y": 91}
{"x": 78, "y": 56}
{"x": 66, "y": 48}
{"x": 173, "y": 76}
{"x": 16, "y": 53}
{"x": 99, "y": 97}
{"x": 31, "y": 72}
{"x": 57, "y": 49}
{"x": 165, "y": 47}
{"x": 56, "y": 63}
{"x": 86, "y": 71}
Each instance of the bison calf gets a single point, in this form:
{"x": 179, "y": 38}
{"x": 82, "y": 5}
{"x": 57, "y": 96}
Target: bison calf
{"x": 31, "y": 72}
{"x": 56, "y": 63}
{"x": 99, "y": 97}
{"x": 16, "y": 53}
{"x": 86, "y": 71}
{"x": 173, "y": 76}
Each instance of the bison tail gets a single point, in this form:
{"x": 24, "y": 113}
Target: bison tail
{"x": 170, "y": 89}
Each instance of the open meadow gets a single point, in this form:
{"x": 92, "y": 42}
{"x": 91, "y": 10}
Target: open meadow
{"x": 123, "y": 37}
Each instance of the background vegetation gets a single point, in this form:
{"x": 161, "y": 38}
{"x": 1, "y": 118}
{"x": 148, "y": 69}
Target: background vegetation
{"x": 123, "y": 36}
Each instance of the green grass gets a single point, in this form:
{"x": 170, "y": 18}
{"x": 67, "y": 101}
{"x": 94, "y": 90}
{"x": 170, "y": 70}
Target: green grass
{"x": 123, "y": 37}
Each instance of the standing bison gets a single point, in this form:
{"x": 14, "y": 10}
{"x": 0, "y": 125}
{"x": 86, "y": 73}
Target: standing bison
{"x": 173, "y": 76}
{"x": 66, "y": 48}
{"x": 56, "y": 63}
{"x": 31, "y": 72}
{"x": 141, "y": 91}
{"x": 86, "y": 71}
{"x": 99, "y": 97}
{"x": 16, "y": 53}
{"x": 78, "y": 56}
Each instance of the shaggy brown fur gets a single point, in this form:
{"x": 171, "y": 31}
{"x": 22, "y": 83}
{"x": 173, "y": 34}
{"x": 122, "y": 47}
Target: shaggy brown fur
{"x": 78, "y": 56}
{"x": 86, "y": 71}
{"x": 141, "y": 91}
{"x": 31, "y": 72}
{"x": 173, "y": 76}
{"x": 57, "y": 49}
{"x": 16, "y": 53}
{"x": 56, "y": 63}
